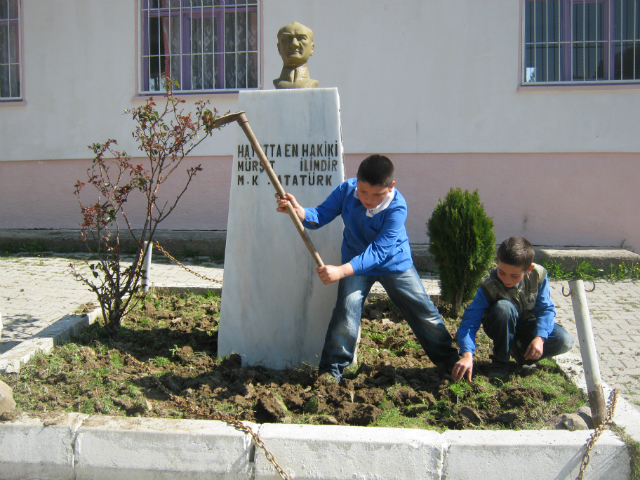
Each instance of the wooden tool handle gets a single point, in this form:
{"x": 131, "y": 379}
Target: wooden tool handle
{"x": 264, "y": 161}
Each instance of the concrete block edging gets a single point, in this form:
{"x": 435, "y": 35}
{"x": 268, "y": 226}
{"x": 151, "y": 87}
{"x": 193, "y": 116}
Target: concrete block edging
{"x": 76, "y": 446}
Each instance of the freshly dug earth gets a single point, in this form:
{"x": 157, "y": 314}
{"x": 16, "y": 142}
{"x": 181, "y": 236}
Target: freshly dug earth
{"x": 395, "y": 384}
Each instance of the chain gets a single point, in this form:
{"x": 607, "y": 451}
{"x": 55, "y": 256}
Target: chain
{"x": 598, "y": 431}
{"x": 211, "y": 416}
{"x": 196, "y": 411}
{"x": 168, "y": 255}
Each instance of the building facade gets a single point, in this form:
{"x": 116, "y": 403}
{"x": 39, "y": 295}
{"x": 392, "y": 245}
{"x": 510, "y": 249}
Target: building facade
{"x": 534, "y": 103}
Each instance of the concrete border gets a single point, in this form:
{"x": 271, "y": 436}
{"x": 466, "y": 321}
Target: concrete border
{"x": 58, "y": 332}
{"x": 76, "y": 446}
{"x": 80, "y": 447}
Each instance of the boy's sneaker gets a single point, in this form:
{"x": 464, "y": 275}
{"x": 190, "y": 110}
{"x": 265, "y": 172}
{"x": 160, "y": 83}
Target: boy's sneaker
{"x": 498, "y": 370}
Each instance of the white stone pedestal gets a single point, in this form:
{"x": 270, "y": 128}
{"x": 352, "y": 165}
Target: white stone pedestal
{"x": 275, "y": 310}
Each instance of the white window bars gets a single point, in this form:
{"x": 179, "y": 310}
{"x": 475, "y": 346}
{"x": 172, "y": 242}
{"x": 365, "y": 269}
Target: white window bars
{"x": 571, "y": 41}
{"x": 204, "y": 45}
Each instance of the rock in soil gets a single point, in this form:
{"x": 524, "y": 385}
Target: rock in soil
{"x": 573, "y": 422}
{"x": 7, "y": 403}
{"x": 585, "y": 414}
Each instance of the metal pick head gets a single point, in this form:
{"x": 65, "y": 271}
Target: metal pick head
{"x": 231, "y": 117}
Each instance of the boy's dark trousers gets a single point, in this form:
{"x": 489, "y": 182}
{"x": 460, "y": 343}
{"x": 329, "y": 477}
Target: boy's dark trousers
{"x": 512, "y": 337}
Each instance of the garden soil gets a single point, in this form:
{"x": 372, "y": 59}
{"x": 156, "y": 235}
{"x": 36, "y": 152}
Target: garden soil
{"x": 394, "y": 382}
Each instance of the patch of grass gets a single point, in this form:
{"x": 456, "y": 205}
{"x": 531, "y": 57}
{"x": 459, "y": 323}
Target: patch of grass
{"x": 116, "y": 360}
{"x": 584, "y": 270}
{"x": 161, "y": 362}
{"x": 187, "y": 252}
{"x": 460, "y": 388}
{"x": 393, "y": 417}
{"x": 633, "y": 448}
{"x": 11, "y": 247}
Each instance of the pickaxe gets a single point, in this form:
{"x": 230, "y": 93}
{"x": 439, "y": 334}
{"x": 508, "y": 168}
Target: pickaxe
{"x": 241, "y": 118}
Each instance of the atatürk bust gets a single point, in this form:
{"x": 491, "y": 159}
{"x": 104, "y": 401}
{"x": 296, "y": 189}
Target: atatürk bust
{"x": 295, "y": 45}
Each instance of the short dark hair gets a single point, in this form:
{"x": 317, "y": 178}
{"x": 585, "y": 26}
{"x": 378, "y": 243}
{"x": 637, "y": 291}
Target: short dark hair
{"x": 376, "y": 170}
{"x": 516, "y": 251}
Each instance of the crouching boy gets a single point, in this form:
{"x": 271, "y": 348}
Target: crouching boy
{"x": 375, "y": 247}
{"x": 514, "y": 306}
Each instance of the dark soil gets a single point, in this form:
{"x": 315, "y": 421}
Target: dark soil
{"x": 395, "y": 383}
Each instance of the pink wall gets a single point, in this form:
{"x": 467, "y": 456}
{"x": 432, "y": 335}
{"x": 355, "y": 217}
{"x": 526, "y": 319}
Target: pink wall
{"x": 39, "y": 194}
{"x": 552, "y": 199}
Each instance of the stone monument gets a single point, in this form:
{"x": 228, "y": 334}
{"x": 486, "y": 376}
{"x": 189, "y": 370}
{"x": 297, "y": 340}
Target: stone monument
{"x": 295, "y": 45}
{"x": 275, "y": 310}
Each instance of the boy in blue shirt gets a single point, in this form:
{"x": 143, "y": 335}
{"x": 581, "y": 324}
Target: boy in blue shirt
{"x": 375, "y": 247}
{"x": 514, "y": 306}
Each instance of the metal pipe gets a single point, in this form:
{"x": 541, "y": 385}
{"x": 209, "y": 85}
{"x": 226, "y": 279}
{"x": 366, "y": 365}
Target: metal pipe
{"x": 146, "y": 266}
{"x": 588, "y": 352}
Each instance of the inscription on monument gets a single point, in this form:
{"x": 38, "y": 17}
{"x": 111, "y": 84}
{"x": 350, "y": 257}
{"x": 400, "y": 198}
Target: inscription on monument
{"x": 306, "y": 164}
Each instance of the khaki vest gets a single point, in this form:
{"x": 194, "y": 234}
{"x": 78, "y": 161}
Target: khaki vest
{"x": 523, "y": 296}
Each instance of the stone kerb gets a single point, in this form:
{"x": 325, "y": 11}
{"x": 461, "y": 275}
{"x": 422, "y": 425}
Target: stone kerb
{"x": 274, "y": 308}
{"x": 79, "y": 447}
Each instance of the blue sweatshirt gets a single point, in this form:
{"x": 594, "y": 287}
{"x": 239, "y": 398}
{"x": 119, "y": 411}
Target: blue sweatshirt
{"x": 374, "y": 245}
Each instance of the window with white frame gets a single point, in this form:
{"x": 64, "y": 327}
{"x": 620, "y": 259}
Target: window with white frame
{"x": 204, "y": 45}
{"x": 10, "y": 88}
{"x": 579, "y": 41}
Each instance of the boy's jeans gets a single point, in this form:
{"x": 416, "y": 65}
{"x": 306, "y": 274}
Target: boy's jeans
{"x": 511, "y": 337}
{"x": 407, "y": 292}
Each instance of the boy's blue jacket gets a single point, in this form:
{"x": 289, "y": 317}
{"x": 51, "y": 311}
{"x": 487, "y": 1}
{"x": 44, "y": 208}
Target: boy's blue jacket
{"x": 376, "y": 245}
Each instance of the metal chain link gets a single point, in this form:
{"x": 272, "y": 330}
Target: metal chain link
{"x": 166, "y": 254}
{"x": 211, "y": 416}
{"x": 598, "y": 431}
{"x": 196, "y": 411}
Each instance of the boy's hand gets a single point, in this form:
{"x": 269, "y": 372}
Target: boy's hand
{"x": 463, "y": 367}
{"x": 534, "y": 350}
{"x": 288, "y": 198}
{"x": 330, "y": 273}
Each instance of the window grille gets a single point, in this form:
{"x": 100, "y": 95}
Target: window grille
{"x": 581, "y": 41}
{"x": 10, "y": 50}
{"x": 204, "y": 45}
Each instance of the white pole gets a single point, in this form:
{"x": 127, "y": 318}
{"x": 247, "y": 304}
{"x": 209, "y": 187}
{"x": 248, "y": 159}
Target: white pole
{"x": 588, "y": 352}
{"x": 146, "y": 267}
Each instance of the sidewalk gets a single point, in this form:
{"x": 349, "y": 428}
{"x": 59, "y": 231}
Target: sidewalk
{"x": 36, "y": 291}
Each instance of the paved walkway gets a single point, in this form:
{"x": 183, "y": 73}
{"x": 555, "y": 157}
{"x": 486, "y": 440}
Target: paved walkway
{"x": 614, "y": 309}
{"x": 37, "y": 291}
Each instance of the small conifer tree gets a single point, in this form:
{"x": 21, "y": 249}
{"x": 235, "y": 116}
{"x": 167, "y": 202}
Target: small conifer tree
{"x": 462, "y": 244}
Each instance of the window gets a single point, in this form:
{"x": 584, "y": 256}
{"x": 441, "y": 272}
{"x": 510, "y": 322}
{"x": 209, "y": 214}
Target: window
{"x": 10, "y": 50}
{"x": 204, "y": 45}
{"x": 581, "y": 41}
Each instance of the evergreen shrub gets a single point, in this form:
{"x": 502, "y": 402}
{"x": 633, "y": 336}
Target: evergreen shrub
{"x": 462, "y": 244}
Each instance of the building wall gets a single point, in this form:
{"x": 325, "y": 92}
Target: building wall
{"x": 433, "y": 84}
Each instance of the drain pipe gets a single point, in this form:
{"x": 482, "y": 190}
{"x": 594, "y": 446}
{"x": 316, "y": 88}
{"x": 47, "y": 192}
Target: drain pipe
{"x": 146, "y": 266}
{"x": 588, "y": 352}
